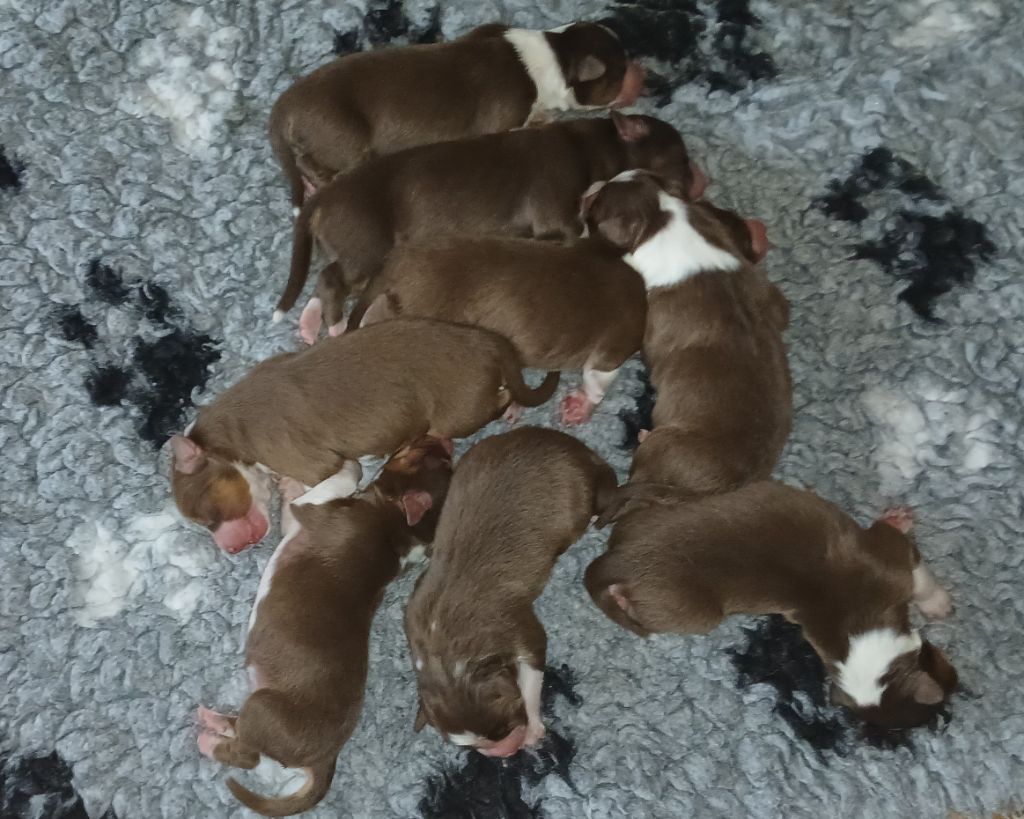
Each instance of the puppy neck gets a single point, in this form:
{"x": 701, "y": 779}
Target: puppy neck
{"x": 541, "y": 64}
{"x": 868, "y": 659}
{"x": 677, "y": 252}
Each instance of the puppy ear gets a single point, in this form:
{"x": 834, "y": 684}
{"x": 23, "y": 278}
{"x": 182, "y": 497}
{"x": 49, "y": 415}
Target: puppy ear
{"x": 623, "y": 230}
{"x": 924, "y": 689}
{"x": 631, "y": 128}
{"x": 416, "y": 503}
{"x": 189, "y": 457}
{"x": 421, "y": 718}
{"x": 589, "y": 68}
{"x": 589, "y": 195}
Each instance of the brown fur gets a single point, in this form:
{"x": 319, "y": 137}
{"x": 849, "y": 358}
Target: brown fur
{"x": 516, "y": 502}
{"x": 714, "y": 347}
{"x": 305, "y": 414}
{"x": 309, "y": 645}
{"x": 562, "y": 305}
{"x": 378, "y": 102}
{"x": 684, "y": 565}
{"x": 523, "y": 183}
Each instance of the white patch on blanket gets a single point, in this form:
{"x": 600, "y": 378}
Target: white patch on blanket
{"x": 197, "y": 94}
{"x": 148, "y": 557}
{"x": 941, "y": 23}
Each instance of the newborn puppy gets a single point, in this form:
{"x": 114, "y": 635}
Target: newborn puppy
{"x": 311, "y": 415}
{"x": 684, "y": 565}
{"x": 517, "y": 501}
{"x": 524, "y": 183}
{"x": 309, "y": 632}
{"x": 493, "y": 79}
{"x": 562, "y": 305}
{"x": 713, "y": 341}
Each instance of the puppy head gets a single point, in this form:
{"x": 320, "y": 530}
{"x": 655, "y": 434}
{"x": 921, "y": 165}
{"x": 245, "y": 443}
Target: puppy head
{"x": 228, "y": 499}
{"x": 911, "y": 691}
{"x": 473, "y": 703}
{"x": 416, "y": 478}
{"x": 655, "y": 146}
{"x": 595, "y": 66}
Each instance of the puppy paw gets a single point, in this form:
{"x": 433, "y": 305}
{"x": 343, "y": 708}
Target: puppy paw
{"x": 576, "y": 408}
{"x": 535, "y": 732}
{"x": 642, "y": 434}
{"x": 899, "y": 517}
{"x": 290, "y": 489}
{"x": 936, "y": 606}
{"x": 309, "y": 321}
{"x": 214, "y": 723}
{"x": 337, "y": 329}
{"x": 513, "y": 413}
{"x": 207, "y": 742}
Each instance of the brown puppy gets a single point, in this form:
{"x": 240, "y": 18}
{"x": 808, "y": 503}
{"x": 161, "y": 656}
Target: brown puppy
{"x": 493, "y": 79}
{"x": 562, "y": 305}
{"x": 517, "y": 501}
{"x": 524, "y": 183}
{"x": 310, "y": 415}
{"x": 713, "y": 341}
{"x": 684, "y": 565}
{"x": 309, "y": 632}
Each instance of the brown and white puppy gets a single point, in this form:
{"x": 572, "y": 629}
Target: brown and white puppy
{"x": 493, "y": 79}
{"x": 562, "y": 305}
{"x": 713, "y": 341}
{"x": 516, "y": 502}
{"x": 684, "y": 565}
{"x": 524, "y": 183}
{"x": 311, "y": 415}
{"x": 309, "y": 632}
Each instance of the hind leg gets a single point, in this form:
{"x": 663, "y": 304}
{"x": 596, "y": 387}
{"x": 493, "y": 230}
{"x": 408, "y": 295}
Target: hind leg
{"x": 218, "y": 740}
{"x": 332, "y": 291}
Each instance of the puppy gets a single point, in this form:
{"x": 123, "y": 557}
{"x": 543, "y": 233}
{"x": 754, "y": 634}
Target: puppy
{"x": 309, "y": 632}
{"x": 493, "y": 79}
{"x": 524, "y": 183}
{"x": 516, "y": 502}
{"x": 684, "y": 565}
{"x": 562, "y": 305}
{"x": 713, "y": 341}
{"x": 311, "y": 415}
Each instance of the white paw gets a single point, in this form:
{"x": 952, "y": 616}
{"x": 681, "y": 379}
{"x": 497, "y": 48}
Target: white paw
{"x": 535, "y": 732}
{"x": 937, "y": 605}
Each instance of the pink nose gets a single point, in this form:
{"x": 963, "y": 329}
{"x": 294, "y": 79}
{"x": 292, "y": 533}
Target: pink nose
{"x": 632, "y": 85}
{"x": 233, "y": 536}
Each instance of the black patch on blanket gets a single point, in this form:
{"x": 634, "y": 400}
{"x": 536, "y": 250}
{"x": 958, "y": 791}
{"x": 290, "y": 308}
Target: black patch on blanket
{"x": 108, "y": 386}
{"x": 678, "y": 36}
{"x": 930, "y": 244}
{"x": 386, "y": 23}
{"x": 483, "y": 788}
{"x": 640, "y": 416}
{"x": 106, "y": 283}
{"x": 40, "y": 786}
{"x": 76, "y": 327}
{"x": 10, "y": 173}
{"x": 154, "y": 301}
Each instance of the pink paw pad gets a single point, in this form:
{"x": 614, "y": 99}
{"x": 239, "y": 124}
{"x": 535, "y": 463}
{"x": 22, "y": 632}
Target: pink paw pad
{"x": 642, "y": 435}
{"x": 337, "y": 329}
{"x": 899, "y": 517}
{"x": 215, "y": 723}
{"x": 207, "y": 743}
{"x": 513, "y": 413}
{"x": 309, "y": 321}
{"x": 576, "y": 408}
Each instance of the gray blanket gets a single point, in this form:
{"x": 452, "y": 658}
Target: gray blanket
{"x": 144, "y": 238}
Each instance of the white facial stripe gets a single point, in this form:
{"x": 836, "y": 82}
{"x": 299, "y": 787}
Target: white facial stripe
{"x": 677, "y": 251}
{"x": 258, "y": 478}
{"x": 542, "y": 66}
{"x": 465, "y": 739}
{"x": 530, "y": 681}
{"x": 871, "y": 653}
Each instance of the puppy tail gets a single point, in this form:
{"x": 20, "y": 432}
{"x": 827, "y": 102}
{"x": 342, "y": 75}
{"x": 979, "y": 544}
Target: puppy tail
{"x": 611, "y": 596}
{"x": 285, "y": 153}
{"x": 521, "y": 392}
{"x": 631, "y": 497}
{"x": 302, "y": 254}
{"x": 312, "y": 791}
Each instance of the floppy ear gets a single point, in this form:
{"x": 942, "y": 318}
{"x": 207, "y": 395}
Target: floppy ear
{"x": 189, "y": 457}
{"x": 416, "y": 503}
{"x": 623, "y": 230}
{"x": 631, "y": 128}
{"x": 924, "y": 689}
{"x": 421, "y": 718}
{"x": 589, "y": 68}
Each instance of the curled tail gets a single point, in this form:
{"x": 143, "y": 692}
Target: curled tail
{"x": 302, "y": 254}
{"x": 312, "y": 791}
{"x": 611, "y": 596}
{"x": 521, "y": 392}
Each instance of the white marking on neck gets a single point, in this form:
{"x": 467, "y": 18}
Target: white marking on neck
{"x": 290, "y": 527}
{"x": 541, "y": 64}
{"x": 465, "y": 739}
{"x": 531, "y": 681}
{"x": 870, "y": 655}
{"x": 342, "y": 484}
{"x": 677, "y": 252}
{"x": 258, "y": 478}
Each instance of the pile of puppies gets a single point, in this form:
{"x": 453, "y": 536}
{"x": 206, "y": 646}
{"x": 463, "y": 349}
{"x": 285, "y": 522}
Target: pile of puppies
{"x": 440, "y": 196}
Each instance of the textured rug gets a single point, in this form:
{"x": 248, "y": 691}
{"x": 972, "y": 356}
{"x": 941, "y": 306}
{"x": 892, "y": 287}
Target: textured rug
{"x": 144, "y": 238}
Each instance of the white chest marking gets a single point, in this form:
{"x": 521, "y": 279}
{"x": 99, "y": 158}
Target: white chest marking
{"x": 291, "y": 528}
{"x": 871, "y": 653}
{"x": 542, "y": 66}
{"x": 677, "y": 251}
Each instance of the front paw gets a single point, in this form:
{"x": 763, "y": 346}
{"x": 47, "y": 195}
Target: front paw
{"x": 535, "y": 732}
{"x": 936, "y": 606}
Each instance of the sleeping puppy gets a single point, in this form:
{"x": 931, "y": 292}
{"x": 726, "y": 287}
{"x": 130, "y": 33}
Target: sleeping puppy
{"x": 562, "y": 305}
{"x": 493, "y": 79}
{"x": 516, "y": 502}
{"x": 713, "y": 341}
{"x": 525, "y": 183}
{"x": 309, "y": 633}
{"x": 685, "y": 564}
